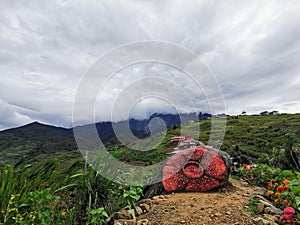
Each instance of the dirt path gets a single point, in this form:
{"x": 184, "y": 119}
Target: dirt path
{"x": 226, "y": 206}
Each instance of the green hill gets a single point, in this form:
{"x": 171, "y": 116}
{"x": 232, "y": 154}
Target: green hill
{"x": 250, "y": 137}
{"x": 254, "y": 138}
{"x": 33, "y": 141}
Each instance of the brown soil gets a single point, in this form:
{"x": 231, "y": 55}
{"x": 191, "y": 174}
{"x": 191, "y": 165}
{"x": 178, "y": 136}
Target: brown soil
{"x": 225, "y": 206}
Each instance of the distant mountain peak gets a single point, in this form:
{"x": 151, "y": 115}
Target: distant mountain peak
{"x": 39, "y": 124}
{"x": 34, "y": 123}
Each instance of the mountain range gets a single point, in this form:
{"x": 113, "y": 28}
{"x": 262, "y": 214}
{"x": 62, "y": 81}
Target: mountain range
{"x": 29, "y": 142}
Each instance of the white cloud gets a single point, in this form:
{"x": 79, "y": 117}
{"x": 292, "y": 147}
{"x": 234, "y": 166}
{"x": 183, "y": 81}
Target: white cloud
{"x": 46, "y": 46}
{"x": 10, "y": 116}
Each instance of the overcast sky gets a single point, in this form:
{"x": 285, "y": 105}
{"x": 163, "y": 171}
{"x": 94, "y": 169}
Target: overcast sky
{"x": 252, "y": 47}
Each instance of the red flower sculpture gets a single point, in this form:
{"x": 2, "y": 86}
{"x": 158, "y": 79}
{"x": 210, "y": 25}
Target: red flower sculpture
{"x": 194, "y": 169}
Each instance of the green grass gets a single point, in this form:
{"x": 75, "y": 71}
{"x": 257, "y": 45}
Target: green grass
{"x": 252, "y": 137}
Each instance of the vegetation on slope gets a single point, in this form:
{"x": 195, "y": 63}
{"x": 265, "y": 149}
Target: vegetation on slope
{"x": 249, "y": 139}
{"x": 33, "y": 141}
{"x": 59, "y": 188}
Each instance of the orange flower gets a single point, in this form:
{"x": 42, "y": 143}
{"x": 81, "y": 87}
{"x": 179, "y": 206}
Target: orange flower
{"x": 276, "y": 200}
{"x": 281, "y": 188}
{"x": 286, "y": 181}
{"x": 63, "y": 213}
{"x": 277, "y": 194}
{"x": 285, "y": 188}
{"x": 269, "y": 184}
{"x": 270, "y": 192}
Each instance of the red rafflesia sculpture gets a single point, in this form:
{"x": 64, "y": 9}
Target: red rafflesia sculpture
{"x": 194, "y": 169}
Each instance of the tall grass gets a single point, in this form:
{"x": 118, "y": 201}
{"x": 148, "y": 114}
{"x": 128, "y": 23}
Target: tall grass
{"x": 7, "y": 186}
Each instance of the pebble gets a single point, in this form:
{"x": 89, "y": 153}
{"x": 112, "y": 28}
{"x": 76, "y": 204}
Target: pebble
{"x": 143, "y": 222}
{"x": 159, "y": 197}
{"x": 261, "y": 221}
{"x": 270, "y": 217}
{"x": 273, "y": 211}
{"x": 123, "y": 222}
{"x": 138, "y": 210}
{"x": 244, "y": 183}
{"x": 145, "y": 207}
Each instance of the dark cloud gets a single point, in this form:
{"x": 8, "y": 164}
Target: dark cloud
{"x": 46, "y": 46}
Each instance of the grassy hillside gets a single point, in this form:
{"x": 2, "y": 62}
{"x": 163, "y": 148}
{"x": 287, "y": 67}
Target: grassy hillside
{"x": 34, "y": 141}
{"x": 260, "y": 136}
{"x": 250, "y": 137}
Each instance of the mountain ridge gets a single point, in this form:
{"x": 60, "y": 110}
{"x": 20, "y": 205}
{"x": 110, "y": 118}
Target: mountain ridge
{"x": 248, "y": 137}
{"x": 26, "y": 142}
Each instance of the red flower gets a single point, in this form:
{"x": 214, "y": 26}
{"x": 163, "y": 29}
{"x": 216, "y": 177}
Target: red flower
{"x": 286, "y": 217}
{"x": 289, "y": 210}
{"x": 280, "y": 188}
{"x": 269, "y": 184}
{"x": 285, "y": 202}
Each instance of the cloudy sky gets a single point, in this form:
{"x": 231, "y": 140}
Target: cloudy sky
{"x": 46, "y": 46}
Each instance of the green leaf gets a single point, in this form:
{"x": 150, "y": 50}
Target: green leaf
{"x": 104, "y": 213}
{"x": 136, "y": 197}
{"x": 76, "y": 175}
{"x": 288, "y": 174}
{"x": 100, "y": 211}
{"x": 294, "y": 182}
{"x": 295, "y": 189}
{"x": 64, "y": 187}
{"x": 125, "y": 195}
{"x": 284, "y": 194}
{"x": 23, "y": 205}
{"x": 297, "y": 199}
{"x": 93, "y": 212}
